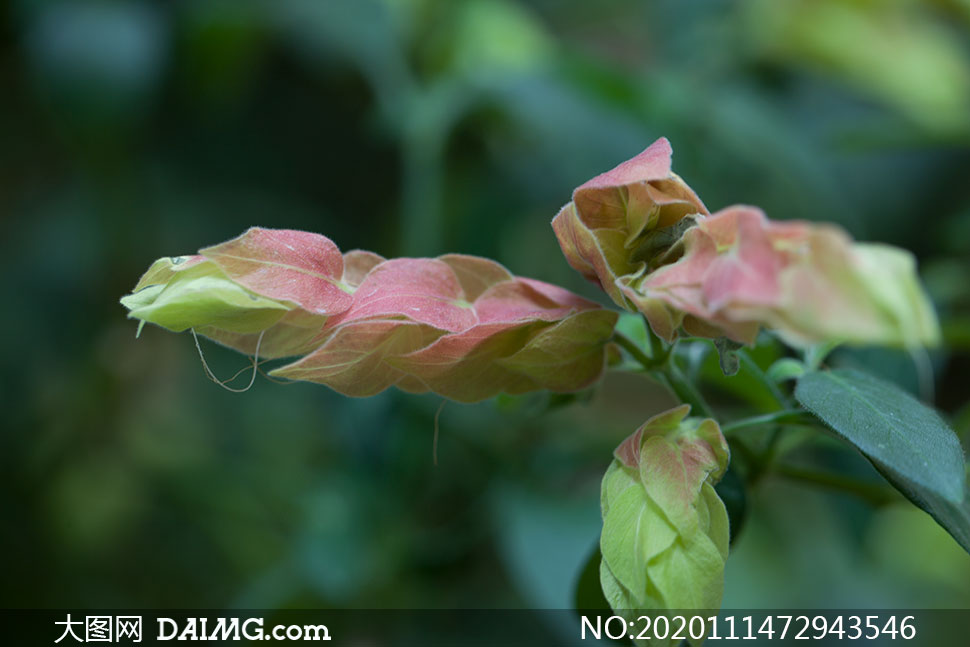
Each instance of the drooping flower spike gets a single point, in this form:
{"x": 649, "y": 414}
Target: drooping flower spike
{"x": 643, "y": 235}
{"x": 461, "y": 326}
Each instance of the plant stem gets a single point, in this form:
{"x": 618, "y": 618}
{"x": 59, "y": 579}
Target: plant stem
{"x": 768, "y": 418}
{"x": 635, "y": 351}
{"x": 657, "y": 350}
{"x": 676, "y": 381}
{"x": 663, "y": 367}
{"x": 666, "y": 371}
{"x": 874, "y": 494}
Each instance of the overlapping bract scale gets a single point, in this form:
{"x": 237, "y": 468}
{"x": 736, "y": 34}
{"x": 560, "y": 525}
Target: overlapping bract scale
{"x": 461, "y": 326}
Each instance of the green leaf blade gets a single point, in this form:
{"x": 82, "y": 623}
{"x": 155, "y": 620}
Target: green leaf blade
{"x": 907, "y": 441}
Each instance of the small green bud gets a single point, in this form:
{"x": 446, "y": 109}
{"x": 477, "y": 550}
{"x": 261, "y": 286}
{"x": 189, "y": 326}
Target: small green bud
{"x": 665, "y": 530}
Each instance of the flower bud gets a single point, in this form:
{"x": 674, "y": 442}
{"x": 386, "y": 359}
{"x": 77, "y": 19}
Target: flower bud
{"x": 665, "y": 531}
{"x": 622, "y": 221}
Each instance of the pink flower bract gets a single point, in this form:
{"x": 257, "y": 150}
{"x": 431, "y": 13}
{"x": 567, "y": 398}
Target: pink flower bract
{"x": 461, "y": 326}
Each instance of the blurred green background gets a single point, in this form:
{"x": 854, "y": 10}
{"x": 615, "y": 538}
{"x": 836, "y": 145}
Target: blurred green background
{"x": 134, "y": 130}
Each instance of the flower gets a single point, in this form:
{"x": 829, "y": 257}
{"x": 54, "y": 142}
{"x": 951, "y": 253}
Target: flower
{"x": 619, "y": 222}
{"x": 808, "y": 282}
{"x": 461, "y": 326}
{"x": 665, "y": 530}
{"x": 643, "y": 234}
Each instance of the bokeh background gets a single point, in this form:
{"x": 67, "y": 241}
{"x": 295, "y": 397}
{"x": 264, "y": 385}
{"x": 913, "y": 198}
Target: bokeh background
{"x": 134, "y": 130}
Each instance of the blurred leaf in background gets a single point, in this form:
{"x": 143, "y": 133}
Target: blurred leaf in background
{"x": 899, "y": 52}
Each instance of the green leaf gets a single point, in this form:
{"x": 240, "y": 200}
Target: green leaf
{"x": 907, "y": 441}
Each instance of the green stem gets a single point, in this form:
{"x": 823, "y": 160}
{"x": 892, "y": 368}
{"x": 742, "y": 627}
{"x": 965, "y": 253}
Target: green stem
{"x": 874, "y": 494}
{"x": 676, "y": 381}
{"x": 635, "y": 351}
{"x": 658, "y": 350}
{"x": 788, "y": 415}
{"x": 666, "y": 371}
{"x": 664, "y": 368}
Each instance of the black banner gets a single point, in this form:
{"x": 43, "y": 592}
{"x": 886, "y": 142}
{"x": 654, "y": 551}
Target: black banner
{"x": 428, "y": 628}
